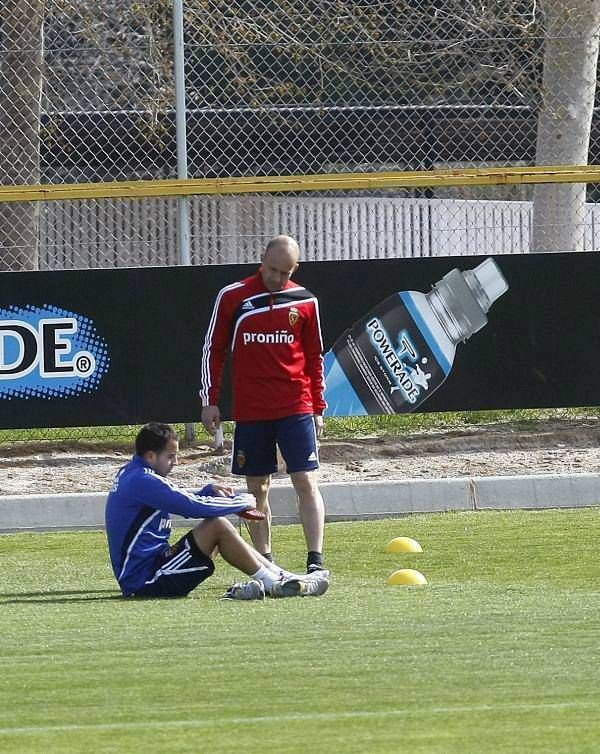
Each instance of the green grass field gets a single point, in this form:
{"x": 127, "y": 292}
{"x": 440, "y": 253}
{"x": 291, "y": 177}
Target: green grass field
{"x": 498, "y": 653}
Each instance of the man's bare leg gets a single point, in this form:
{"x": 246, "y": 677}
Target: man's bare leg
{"x": 219, "y": 535}
{"x": 311, "y": 510}
{"x": 260, "y": 531}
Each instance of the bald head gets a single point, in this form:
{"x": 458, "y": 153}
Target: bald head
{"x": 279, "y": 262}
{"x": 283, "y": 246}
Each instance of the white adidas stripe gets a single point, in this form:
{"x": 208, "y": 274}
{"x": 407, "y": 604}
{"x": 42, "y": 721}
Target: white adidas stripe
{"x": 205, "y": 363}
{"x": 286, "y": 305}
{"x": 134, "y": 540}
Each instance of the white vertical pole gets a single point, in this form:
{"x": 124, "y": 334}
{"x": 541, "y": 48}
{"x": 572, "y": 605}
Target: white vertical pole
{"x": 183, "y": 235}
{"x": 183, "y": 223}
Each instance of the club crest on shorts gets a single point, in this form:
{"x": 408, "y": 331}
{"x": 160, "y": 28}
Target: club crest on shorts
{"x": 294, "y": 316}
{"x": 240, "y": 459}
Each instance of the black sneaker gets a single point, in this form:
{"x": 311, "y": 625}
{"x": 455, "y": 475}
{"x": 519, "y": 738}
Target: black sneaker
{"x": 314, "y": 567}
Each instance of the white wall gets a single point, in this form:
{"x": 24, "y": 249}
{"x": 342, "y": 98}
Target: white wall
{"x": 234, "y": 229}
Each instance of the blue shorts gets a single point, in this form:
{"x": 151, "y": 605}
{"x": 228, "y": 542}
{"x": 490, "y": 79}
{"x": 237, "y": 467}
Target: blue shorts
{"x": 178, "y": 570}
{"x": 255, "y": 445}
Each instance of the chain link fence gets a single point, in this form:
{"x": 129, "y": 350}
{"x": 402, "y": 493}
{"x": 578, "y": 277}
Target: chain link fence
{"x": 289, "y": 88}
{"x": 87, "y": 94}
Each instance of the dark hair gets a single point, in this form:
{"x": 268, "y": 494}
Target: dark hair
{"x": 154, "y": 436}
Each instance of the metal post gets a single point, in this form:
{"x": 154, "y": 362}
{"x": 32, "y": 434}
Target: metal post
{"x": 183, "y": 222}
{"x": 183, "y": 236}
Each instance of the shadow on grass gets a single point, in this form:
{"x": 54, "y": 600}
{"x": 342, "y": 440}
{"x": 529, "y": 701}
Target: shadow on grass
{"x": 59, "y": 597}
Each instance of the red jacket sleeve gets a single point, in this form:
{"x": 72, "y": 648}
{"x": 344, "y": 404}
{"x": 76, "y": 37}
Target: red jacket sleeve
{"x": 216, "y": 345}
{"x": 313, "y": 354}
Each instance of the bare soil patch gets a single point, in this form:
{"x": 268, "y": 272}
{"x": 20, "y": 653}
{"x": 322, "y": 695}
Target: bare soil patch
{"x": 553, "y": 446}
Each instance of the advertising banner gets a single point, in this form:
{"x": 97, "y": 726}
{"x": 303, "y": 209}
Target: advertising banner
{"x": 97, "y": 347}
{"x": 67, "y": 348}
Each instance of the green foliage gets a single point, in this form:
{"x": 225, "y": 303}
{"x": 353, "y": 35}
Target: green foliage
{"x": 351, "y": 426}
{"x": 396, "y": 424}
{"x": 120, "y": 437}
{"x": 498, "y": 653}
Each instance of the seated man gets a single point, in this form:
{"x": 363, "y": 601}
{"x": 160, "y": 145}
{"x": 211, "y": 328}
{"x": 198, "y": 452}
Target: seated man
{"x": 138, "y": 527}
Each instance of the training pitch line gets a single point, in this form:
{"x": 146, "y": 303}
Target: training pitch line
{"x": 293, "y": 717}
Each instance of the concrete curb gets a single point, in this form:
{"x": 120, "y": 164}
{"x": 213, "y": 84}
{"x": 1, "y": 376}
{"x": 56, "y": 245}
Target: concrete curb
{"x": 344, "y": 502}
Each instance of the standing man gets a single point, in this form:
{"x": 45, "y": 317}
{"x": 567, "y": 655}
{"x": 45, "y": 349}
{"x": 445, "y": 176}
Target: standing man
{"x": 272, "y": 326}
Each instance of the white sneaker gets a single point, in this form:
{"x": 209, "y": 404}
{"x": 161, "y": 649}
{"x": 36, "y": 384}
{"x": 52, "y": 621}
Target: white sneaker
{"x": 317, "y": 573}
{"x": 251, "y": 590}
{"x": 299, "y": 587}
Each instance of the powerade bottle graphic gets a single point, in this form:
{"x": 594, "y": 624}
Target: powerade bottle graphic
{"x": 393, "y": 358}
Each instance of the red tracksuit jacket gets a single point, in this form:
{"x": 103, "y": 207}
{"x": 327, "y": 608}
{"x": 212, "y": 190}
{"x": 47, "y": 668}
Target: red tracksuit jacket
{"x": 276, "y": 345}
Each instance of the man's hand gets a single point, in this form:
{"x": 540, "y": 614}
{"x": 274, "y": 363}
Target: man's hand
{"x": 211, "y": 418}
{"x": 251, "y": 513}
{"x": 319, "y": 425}
{"x": 222, "y": 490}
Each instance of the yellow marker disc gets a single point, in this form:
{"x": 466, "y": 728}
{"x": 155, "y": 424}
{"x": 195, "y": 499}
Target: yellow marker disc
{"x": 403, "y": 544}
{"x": 407, "y": 577}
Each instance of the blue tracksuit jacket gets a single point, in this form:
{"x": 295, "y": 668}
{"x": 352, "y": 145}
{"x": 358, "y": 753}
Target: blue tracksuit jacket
{"x": 138, "y": 521}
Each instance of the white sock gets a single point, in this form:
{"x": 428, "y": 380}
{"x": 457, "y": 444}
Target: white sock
{"x": 267, "y": 576}
{"x": 279, "y": 571}
{"x": 272, "y": 573}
